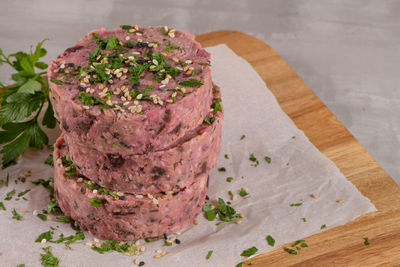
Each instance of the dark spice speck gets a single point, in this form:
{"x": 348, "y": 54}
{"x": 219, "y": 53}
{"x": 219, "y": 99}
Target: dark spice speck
{"x": 71, "y": 65}
{"x": 177, "y": 241}
{"x": 61, "y": 70}
{"x": 141, "y": 263}
{"x": 81, "y": 88}
{"x": 222, "y": 169}
{"x": 122, "y": 197}
{"x": 141, "y": 61}
{"x": 212, "y": 119}
{"x": 165, "y": 236}
{"x": 207, "y": 197}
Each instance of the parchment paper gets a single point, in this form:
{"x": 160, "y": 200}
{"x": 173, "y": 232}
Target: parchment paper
{"x": 297, "y": 169}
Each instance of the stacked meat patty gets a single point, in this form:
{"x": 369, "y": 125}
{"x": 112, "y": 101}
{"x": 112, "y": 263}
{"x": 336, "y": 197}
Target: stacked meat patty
{"x": 141, "y": 129}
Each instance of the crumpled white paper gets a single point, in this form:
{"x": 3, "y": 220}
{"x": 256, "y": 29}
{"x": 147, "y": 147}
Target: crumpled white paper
{"x": 297, "y": 169}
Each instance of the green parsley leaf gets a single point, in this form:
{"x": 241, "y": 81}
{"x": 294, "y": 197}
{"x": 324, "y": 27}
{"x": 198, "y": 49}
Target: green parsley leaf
{"x": 96, "y": 202}
{"x": 304, "y": 219}
{"x": 23, "y": 193}
{"x": 210, "y": 252}
{"x": 63, "y": 218}
{"x": 48, "y": 119}
{"x": 303, "y": 245}
{"x": 249, "y": 252}
{"x": 70, "y": 239}
{"x": 30, "y": 87}
{"x": 42, "y": 217}
{"x": 48, "y": 259}
{"x": 169, "y": 47}
{"x": 2, "y": 206}
{"x": 191, "y": 83}
{"x": 229, "y": 179}
{"x": 222, "y": 169}
{"x": 125, "y": 27}
{"x": 167, "y": 243}
{"x": 242, "y": 137}
{"x": 297, "y": 242}
{"x": 366, "y": 242}
{"x": 46, "y": 235}
{"x": 205, "y": 63}
{"x": 16, "y": 216}
{"x": 296, "y": 204}
{"x": 59, "y": 82}
{"x": 290, "y": 251}
{"x": 254, "y": 159}
{"x": 21, "y": 265}
{"x": 240, "y": 264}
{"x": 49, "y": 160}
{"x": 323, "y": 226}
{"x": 10, "y": 195}
{"x": 207, "y": 119}
{"x": 163, "y": 31}
{"x": 270, "y": 240}
{"x": 243, "y": 193}
{"x": 226, "y": 156}
{"x": 268, "y": 159}
{"x": 216, "y": 105}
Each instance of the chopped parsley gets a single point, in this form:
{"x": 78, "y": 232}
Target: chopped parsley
{"x": 167, "y": 243}
{"x": 125, "y": 27}
{"x": 48, "y": 260}
{"x": 49, "y": 160}
{"x": 71, "y": 238}
{"x": 323, "y": 226}
{"x": 210, "y": 252}
{"x": 91, "y": 100}
{"x": 242, "y": 137}
{"x": 63, "y": 218}
{"x": 226, "y": 156}
{"x": 249, "y": 252}
{"x": 109, "y": 245}
{"x": 10, "y": 195}
{"x": 16, "y": 216}
{"x": 59, "y": 82}
{"x": 290, "y": 251}
{"x": 163, "y": 31}
{"x": 225, "y": 212}
{"x": 191, "y": 83}
{"x": 296, "y": 204}
{"x": 42, "y": 217}
{"x": 46, "y": 235}
{"x": 205, "y": 63}
{"x": 216, "y": 105}
{"x": 169, "y": 47}
{"x": 21, "y": 265}
{"x": 270, "y": 240}
{"x": 96, "y": 202}
{"x": 23, "y": 193}
{"x": 304, "y": 219}
{"x": 2, "y": 206}
{"x": 254, "y": 159}
{"x": 366, "y": 242}
{"x": 207, "y": 119}
{"x": 243, "y": 193}
{"x": 222, "y": 169}
{"x": 268, "y": 159}
{"x": 229, "y": 179}
{"x": 69, "y": 166}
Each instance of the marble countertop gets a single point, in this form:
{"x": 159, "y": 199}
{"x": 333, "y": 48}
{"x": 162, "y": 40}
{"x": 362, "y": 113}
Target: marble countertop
{"x": 348, "y": 52}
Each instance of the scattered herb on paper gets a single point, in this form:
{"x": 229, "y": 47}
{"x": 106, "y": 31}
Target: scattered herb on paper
{"x": 304, "y": 219}
{"x": 229, "y": 179}
{"x": 222, "y": 169}
{"x": 366, "y": 241}
{"x": 10, "y": 194}
{"x": 268, "y": 159}
{"x": 242, "y": 137}
{"x": 249, "y": 252}
{"x": 270, "y": 240}
{"x": 210, "y": 252}
{"x": 16, "y": 216}
{"x": 225, "y": 212}
{"x": 226, "y": 156}
{"x": 296, "y": 204}
{"x": 42, "y": 217}
{"x": 46, "y": 235}
{"x": 290, "y": 251}
{"x": 111, "y": 245}
{"x": 323, "y": 226}
{"x": 243, "y": 193}
{"x": 48, "y": 259}
{"x": 254, "y": 159}
{"x": 2, "y": 206}
{"x": 96, "y": 202}
{"x": 49, "y": 160}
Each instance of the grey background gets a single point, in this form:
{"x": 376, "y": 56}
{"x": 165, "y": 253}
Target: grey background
{"x": 348, "y": 52}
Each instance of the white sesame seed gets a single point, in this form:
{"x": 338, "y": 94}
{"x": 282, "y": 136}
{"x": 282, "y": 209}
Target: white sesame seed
{"x": 96, "y": 240}
{"x": 155, "y": 201}
{"x": 157, "y": 256}
{"x": 166, "y": 28}
{"x": 159, "y": 251}
{"x": 162, "y": 86}
{"x": 80, "y": 180}
{"x": 89, "y": 244}
{"x": 131, "y": 30}
{"x": 150, "y": 196}
{"x": 163, "y": 252}
{"x": 120, "y": 194}
{"x": 155, "y": 62}
{"x": 127, "y": 38}
{"x": 136, "y": 53}
{"x": 179, "y": 68}
{"x": 139, "y": 96}
{"x": 139, "y": 196}
{"x": 340, "y": 201}
{"x": 88, "y": 90}
{"x": 35, "y": 212}
{"x": 171, "y": 34}
{"x": 169, "y": 101}
{"x": 188, "y": 61}
{"x": 238, "y": 222}
{"x": 95, "y": 191}
{"x": 175, "y": 59}
{"x": 86, "y": 107}
{"x": 44, "y": 240}
{"x": 91, "y": 91}
{"x": 136, "y": 27}
{"x": 139, "y": 34}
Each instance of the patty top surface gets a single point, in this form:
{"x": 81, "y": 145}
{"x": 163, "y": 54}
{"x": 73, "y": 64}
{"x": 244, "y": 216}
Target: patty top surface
{"x": 130, "y": 70}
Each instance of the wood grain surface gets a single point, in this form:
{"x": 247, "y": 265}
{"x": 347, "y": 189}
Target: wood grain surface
{"x": 343, "y": 245}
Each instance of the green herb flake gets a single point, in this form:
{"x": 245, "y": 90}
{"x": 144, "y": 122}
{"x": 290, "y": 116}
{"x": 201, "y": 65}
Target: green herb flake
{"x": 303, "y": 245}
{"x": 71, "y": 238}
{"x": 109, "y": 245}
{"x": 270, "y": 240}
{"x": 222, "y": 169}
{"x": 304, "y": 219}
{"x": 23, "y": 193}
{"x": 48, "y": 259}
{"x": 242, "y": 137}
{"x": 293, "y": 137}
{"x": 254, "y": 159}
{"x": 167, "y": 243}
{"x": 2, "y": 206}
{"x": 191, "y": 83}
{"x": 59, "y": 82}
{"x": 42, "y": 217}
{"x": 243, "y": 193}
{"x": 366, "y": 241}
{"x": 16, "y": 216}
{"x": 225, "y": 212}
{"x": 21, "y": 265}
{"x": 163, "y": 31}
{"x": 240, "y": 264}
{"x": 226, "y": 156}
{"x": 207, "y": 120}
{"x": 297, "y": 242}
{"x": 229, "y": 179}
{"x": 249, "y": 252}
{"x": 46, "y": 235}
{"x": 125, "y": 27}
{"x": 290, "y": 251}
{"x": 10, "y": 194}
{"x": 210, "y": 252}
{"x": 49, "y": 160}
{"x": 323, "y": 226}
{"x": 268, "y": 159}
{"x": 63, "y": 218}
{"x": 296, "y": 204}
{"x": 96, "y": 202}
{"x": 205, "y": 63}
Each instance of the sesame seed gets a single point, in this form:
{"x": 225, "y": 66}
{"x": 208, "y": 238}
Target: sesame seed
{"x": 95, "y": 191}
{"x": 175, "y": 59}
{"x": 86, "y": 107}
{"x": 163, "y": 252}
{"x": 340, "y": 201}
{"x": 137, "y": 243}
{"x": 120, "y": 194}
{"x": 131, "y": 30}
{"x": 188, "y": 61}
{"x": 136, "y": 27}
{"x": 123, "y": 98}
{"x": 49, "y": 217}
{"x": 314, "y": 196}
{"x": 35, "y": 212}
{"x": 233, "y": 197}
{"x": 123, "y": 77}
{"x": 142, "y": 249}
{"x": 159, "y": 251}
{"x": 238, "y": 222}
{"x": 119, "y": 74}
{"x": 91, "y": 91}
{"x": 23, "y": 210}
{"x": 157, "y": 256}
{"x": 171, "y": 34}
{"x": 88, "y": 90}
{"x": 44, "y": 240}
{"x": 139, "y": 96}
{"x": 127, "y": 253}
{"x": 179, "y": 68}
{"x": 169, "y": 101}
{"x": 139, "y": 34}
{"x": 139, "y": 196}
{"x": 166, "y": 28}
{"x": 127, "y": 38}
{"x": 155, "y": 62}
{"x": 162, "y": 86}
{"x": 136, "y": 262}
{"x": 155, "y": 201}
{"x": 89, "y": 244}
{"x": 110, "y": 81}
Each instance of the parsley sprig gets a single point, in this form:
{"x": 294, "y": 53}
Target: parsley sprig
{"x": 21, "y": 104}
{"x": 225, "y": 212}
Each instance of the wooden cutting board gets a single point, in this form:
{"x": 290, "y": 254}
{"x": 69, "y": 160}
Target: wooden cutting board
{"x": 343, "y": 245}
